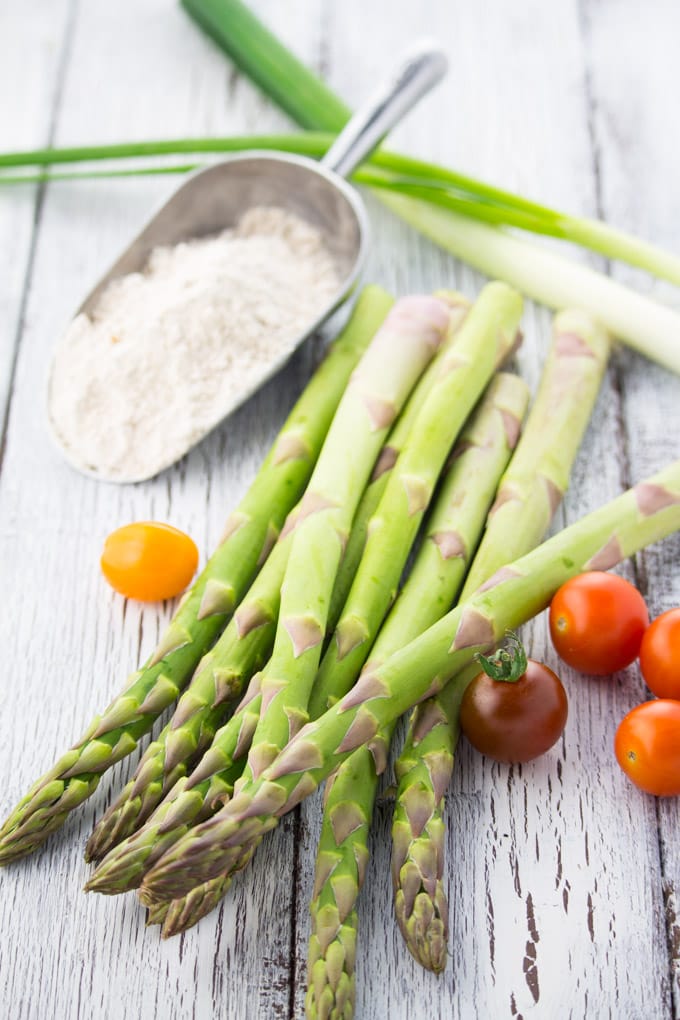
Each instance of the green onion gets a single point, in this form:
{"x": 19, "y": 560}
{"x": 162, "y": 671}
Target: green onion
{"x": 428, "y": 181}
{"x": 465, "y": 216}
{"x": 648, "y": 326}
{"x": 307, "y": 99}
{"x": 310, "y": 144}
{"x": 267, "y": 62}
{"x": 44, "y": 177}
{"x": 651, "y": 328}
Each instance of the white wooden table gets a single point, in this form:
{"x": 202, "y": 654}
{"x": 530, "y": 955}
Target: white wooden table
{"x": 563, "y": 879}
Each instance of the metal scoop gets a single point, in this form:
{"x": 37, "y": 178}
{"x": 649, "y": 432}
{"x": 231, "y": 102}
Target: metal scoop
{"x": 215, "y": 199}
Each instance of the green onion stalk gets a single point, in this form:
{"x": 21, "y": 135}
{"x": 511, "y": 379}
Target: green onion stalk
{"x": 429, "y": 182}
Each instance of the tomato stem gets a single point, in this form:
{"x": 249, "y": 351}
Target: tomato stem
{"x": 506, "y": 664}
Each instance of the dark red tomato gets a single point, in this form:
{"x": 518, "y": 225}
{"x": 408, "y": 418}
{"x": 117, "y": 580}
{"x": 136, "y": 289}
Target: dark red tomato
{"x": 515, "y": 721}
{"x": 647, "y": 747}
{"x": 597, "y": 621}
{"x": 660, "y": 655}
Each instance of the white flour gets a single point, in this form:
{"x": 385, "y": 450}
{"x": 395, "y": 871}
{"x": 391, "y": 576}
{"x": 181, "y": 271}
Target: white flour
{"x": 170, "y": 350}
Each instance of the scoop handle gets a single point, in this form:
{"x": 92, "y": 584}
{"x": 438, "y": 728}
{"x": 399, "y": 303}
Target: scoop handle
{"x": 420, "y": 70}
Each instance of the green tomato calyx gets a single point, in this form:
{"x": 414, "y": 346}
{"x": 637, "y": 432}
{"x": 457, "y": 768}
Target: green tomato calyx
{"x": 506, "y": 664}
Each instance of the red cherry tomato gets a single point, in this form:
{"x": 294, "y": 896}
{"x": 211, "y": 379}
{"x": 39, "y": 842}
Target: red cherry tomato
{"x": 149, "y": 561}
{"x": 647, "y": 747}
{"x": 660, "y": 655}
{"x": 515, "y": 721}
{"x": 597, "y": 621}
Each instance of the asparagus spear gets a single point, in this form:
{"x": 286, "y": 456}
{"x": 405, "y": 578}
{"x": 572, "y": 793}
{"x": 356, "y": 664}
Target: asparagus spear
{"x": 186, "y": 911}
{"x": 413, "y": 331}
{"x": 485, "y": 339}
{"x": 203, "y": 613}
{"x": 452, "y": 533}
{"x": 423, "y": 772}
{"x": 340, "y": 866}
{"x": 224, "y": 843}
{"x": 539, "y": 471}
{"x": 410, "y": 334}
{"x": 336, "y": 486}
{"x": 528, "y": 495}
{"x": 457, "y": 518}
{"x": 160, "y": 768}
{"x": 193, "y": 798}
{"x": 123, "y": 868}
{"x": 459, "y": 307}
{"x": 156, "y": 911}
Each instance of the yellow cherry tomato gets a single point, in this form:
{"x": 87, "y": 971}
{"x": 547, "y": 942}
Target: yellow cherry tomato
{"x": 149, "y": 561}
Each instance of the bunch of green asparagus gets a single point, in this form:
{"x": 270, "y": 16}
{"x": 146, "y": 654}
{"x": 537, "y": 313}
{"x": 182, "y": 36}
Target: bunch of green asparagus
{"x": 301, "y": 645}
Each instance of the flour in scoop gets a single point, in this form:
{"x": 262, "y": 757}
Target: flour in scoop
{"x": 168, "y": 351}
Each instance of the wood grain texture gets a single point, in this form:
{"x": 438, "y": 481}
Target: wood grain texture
{"x": 628, "y": 105}
{"x": 40, "y": 38}
{"x": 563, "y": 880}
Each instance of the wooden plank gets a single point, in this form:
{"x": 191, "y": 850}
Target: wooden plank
{"x": 136, "y": 70}
{"x": 39, "y": 33}
{"x": 631, "y": 106}
{"x": 548, "y": 917}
